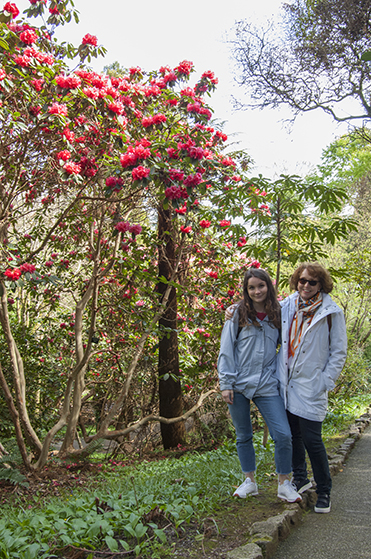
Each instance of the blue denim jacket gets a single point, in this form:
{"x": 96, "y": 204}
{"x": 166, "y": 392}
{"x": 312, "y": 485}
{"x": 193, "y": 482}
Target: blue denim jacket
{"x": 247, "y": 362}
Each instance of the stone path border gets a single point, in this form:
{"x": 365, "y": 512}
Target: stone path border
{"x": 265, "y": 536}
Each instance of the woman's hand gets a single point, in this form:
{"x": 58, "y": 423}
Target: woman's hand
{"x": 227, "y": 396}
{"x": 229, "y": 312}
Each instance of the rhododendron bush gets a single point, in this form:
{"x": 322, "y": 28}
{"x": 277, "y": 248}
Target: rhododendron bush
{"x": 114, "y": 206}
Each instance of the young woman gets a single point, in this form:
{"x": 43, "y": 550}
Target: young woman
{"x": 247, "y": 367}
{"x": 312, "y": 355}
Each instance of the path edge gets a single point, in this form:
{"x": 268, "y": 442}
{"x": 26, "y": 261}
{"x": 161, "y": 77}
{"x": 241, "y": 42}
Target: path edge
{"x": 266, "y": 535}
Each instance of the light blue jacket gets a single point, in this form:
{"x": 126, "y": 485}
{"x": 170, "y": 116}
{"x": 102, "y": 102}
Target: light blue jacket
{"x": 247, "y": 363}
{"x": 318, "y": 360}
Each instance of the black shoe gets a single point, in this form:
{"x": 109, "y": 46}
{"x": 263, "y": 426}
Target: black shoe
{"x": 301, "y": 484}
{"x": 323, "y": 503}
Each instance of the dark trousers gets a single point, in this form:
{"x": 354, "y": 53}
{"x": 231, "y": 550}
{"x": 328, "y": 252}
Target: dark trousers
{"x": 307, "y": 435}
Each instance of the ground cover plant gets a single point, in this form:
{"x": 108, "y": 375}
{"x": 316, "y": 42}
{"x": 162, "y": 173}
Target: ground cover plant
{"x": 152, "y": 507}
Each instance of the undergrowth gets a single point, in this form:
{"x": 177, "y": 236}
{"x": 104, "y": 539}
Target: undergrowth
{"x": 139, "y": 509}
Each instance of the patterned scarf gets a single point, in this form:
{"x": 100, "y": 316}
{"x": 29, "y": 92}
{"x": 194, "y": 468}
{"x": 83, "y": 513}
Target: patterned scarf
{"x": 303, "y": 317}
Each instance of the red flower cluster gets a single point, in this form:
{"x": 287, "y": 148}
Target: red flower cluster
{"x": 58, "y": 109}
{"x": 175, "y": 192}
{"x": 224, "y": 223}
{"x": 116, "y": 107}
{"x": 68, "y": 82}
{"x": 124, "y": 226}
{"x": 27, "y": 268}
{"x": 205, "y": 223}
{"x": 254, "y": 264}
{"x": 139, "y": 173}
{"x": 37, "y": 84}
{"x": 241, "y": 242}
{"x": 115, "y": 183}
{"x": 13, "y": 274}
{"x": 132, "y": 155}
{"x": 29, "y": 37}
{"x": 72, "y": 168}
{"x": 193, "y": 180}
{"x": 152, "y": 120}
{"x": 90, "y": 40}
{"x": 64, "y": 155}
{"x": 184, "y": 68}
{"x": 176, "y": 175}
{"x": 199, "y": 109}
{"x": 187, "y": 229}
{"x": 213, "y": 274}
{"x": 11, "y": 9}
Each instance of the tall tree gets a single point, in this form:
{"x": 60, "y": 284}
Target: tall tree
{"x": 311, "y": 60}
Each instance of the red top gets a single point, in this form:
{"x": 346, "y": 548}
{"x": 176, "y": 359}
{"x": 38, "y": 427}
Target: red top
{"x": 261, "y": 315}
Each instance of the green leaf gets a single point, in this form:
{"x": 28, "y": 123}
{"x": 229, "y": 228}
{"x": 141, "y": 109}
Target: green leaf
{"x": 366, "y": 56}
{"x": 111, "y": 543}
{"x": 3, "y": 44}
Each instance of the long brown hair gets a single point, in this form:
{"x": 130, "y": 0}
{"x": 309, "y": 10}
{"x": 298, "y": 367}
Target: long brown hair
{"x": 246, "y": 311}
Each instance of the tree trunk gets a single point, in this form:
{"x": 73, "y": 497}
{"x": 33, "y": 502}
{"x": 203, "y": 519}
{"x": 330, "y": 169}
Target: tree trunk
{"x": 170, "y": 392}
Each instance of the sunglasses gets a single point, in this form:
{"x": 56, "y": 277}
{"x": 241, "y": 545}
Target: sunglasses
{"x": 303, "y": 281}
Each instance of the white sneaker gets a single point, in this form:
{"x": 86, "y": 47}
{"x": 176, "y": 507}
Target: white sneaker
{"x": 246, "y": 488}
{"x": 287, "y": 492}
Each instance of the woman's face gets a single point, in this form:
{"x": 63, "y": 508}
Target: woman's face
{"x": 307, "y": 291}
{"x": 257, "y": 290}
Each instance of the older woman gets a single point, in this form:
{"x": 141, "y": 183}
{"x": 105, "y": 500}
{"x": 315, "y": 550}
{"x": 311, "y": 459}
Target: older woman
{"x": 312, "y": 355}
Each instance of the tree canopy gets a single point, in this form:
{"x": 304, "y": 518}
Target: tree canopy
{"x": 311, "y": 59}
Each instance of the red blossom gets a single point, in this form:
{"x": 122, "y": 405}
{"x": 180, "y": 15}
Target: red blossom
{"x": 116, "y": 107}
{"x": 58, "y": 109}
{"x": 72, "y": 168}
{"x": 122, "y": 226}
{"x": 11, "y": 9}
{"x": 182, "y": 210}
{"x": 90, "y": 40}
{"x": 186, "y": 229}
{"x": 135, "y": 229}
{"x": 27, "y": 268}
{"x": 228, "y": 162}
{"x": 13, "y": 273}
{"x": 64, "y": 155}
{"x": 29, "y": 37}
{"x": 184, "y": 68}
{"x": 213, "y": 274}
{"x": 68, "y": 82}
{"x": 255, "y": 264}
{"x": 224, "y": 223}
{"x": 241, "y": 242}
{"x": 193, "y": 180}
{"x": 205, "y": 223}
{"x": 139, "y": 173}
{"x": 37, "y": 84}
{"x": 176, "y": 175}
{"x": 173, "y": 192}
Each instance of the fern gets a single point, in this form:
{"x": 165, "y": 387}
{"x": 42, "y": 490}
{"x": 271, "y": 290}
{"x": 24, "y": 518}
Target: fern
{"x": 12, "y": 461}
{"x": 14, "y": 476}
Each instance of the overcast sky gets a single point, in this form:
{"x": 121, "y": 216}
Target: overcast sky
{"x": 154, "y": 33}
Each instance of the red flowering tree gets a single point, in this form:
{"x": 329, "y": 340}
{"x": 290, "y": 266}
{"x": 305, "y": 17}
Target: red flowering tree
{"x": 87, "y": 161}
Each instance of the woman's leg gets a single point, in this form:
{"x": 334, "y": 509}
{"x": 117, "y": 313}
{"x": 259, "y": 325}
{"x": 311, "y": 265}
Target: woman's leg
{"x": 274, "y": 414}
{"x": 240, "y": 413}
{"x": 299, "y": 465}
{"x": 311, "y": 432}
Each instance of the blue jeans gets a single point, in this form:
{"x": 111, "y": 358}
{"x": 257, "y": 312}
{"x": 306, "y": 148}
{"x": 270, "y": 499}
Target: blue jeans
{"x": 307, "y": 434}
{"x": 274, "y": 414}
